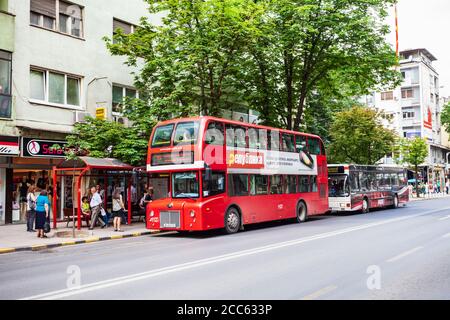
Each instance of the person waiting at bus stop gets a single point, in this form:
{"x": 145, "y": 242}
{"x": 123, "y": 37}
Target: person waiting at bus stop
{"x": 96, "y": 207}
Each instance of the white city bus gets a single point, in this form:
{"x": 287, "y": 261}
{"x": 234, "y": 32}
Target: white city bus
{"x": 360, "y": 188}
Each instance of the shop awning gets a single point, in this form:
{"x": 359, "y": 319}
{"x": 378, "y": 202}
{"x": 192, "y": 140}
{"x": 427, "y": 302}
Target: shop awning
{"x": 95, "y": 163}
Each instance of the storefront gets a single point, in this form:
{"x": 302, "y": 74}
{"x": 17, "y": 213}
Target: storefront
{"x": 24, "y": 162}
{"x": 9, "y": 149}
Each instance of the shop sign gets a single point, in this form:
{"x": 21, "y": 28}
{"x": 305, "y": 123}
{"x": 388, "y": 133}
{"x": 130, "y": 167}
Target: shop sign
{"x": 100, "y": 113}
{"x": 37, "y": 148}
{"x": 9, "y": 146}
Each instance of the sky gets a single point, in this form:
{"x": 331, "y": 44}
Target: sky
{"x": 425, "y": 24}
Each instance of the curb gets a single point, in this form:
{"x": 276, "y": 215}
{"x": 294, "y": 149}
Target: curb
{"x": 432, "y": 198}
{"x": 75, "y": 242}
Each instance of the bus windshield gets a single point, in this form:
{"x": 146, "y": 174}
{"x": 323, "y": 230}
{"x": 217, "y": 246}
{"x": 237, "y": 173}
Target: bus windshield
{"x": 185, "y": 185}
{"x": 162, "y": 136}
{"x": 338, "y": 186}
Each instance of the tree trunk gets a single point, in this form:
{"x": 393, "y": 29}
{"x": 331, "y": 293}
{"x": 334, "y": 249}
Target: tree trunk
{"x": 417, "y": 184}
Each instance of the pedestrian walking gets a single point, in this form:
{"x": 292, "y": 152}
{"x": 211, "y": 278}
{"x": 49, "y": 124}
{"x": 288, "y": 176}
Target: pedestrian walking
{"x": 118, "y": 209}
{"x": 447, "y": 186}
{"x": 42, "y": 213}
{"x": 96, "y": 207}
{"x": 31, "y": 209}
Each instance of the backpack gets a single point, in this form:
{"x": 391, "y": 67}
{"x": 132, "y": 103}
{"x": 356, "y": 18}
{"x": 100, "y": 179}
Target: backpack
{"x": 31, "y": 203}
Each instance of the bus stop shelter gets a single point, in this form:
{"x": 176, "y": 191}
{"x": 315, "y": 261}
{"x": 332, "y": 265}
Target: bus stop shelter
{"x": 73, "y": 179}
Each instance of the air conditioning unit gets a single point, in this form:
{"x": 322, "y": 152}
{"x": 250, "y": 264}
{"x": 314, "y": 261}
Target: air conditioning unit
{"x": 121, "y": 120}
{"x": 80, "y": 116}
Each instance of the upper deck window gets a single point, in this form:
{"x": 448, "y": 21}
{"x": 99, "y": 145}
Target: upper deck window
{"x": 162, "y": 136}
{"x": 314, "y": 146}
{"x": 186, "y": 133}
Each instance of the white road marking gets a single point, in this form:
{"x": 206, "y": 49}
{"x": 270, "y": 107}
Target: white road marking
{"x": 319, "y": 293}
{"x": 59, "y": 294}
{"x": 444, "y": 218}
{"x": 404, "y": 254}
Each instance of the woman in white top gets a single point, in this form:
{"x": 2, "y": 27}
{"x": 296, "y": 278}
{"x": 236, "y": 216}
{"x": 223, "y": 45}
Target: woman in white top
{"x": 118, "y": 208}
{"x": 31, "y": 208}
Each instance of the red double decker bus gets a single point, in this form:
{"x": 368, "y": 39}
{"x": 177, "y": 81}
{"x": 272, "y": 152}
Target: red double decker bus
{"x": 226, "y": 174}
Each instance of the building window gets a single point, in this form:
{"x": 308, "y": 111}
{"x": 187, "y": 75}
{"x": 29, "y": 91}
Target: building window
{"x": 407, "y": 93}
{"x": 55, "y": 88}
{"x": 388, "y": 95}
{"x": 119, "y": 94}
{"x": 408, "y": 114}
{"x": 57, "y": 15}
{"x": 127, "y": 28}
{"x": 5, "y": 84}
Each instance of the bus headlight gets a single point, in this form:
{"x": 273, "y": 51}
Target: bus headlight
{"x": 152, "y": 213}
{"x": 192, "y": 213}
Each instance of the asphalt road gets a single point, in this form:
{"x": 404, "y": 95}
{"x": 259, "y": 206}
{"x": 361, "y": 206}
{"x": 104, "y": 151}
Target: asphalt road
{"x": 399, "y": 253}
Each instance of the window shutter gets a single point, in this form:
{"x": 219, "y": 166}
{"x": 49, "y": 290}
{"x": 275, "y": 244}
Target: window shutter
{"x": 126, "y": 27}
{"x": 70, "y": 9}
{"x": 45, "y": 7}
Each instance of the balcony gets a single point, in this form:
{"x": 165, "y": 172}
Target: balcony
{"x": 7, "y": 27}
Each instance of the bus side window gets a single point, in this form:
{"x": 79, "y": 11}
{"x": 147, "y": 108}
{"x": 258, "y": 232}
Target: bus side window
{"x": 314, "y": 146}
{"x": 230, "y": 135}
{"x": 214, "y": 134}
{"x": 262, "y": 139}
{"x": 274, "y": 140}
{"x": 303, "y": 184}
{"x": 394, "y": 180}
{"x": 313, "y": 183}
{"x": 253, "y": 139}
{"x": 240, "y": 140}
{"x": 300, "y": 143}
{"x": 276, "y": 186}
{"x": 238, "y": 184}
{"x": 288, "y": 142}
{"x": 364, "y": 181}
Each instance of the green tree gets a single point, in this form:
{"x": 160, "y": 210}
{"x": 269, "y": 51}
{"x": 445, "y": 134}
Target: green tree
{"x": 413, "y": 152}
{"x": 445, "y": 117}
{"x": 337, "y": 47}
{"x": 358, "y": 136}
{"x": 189, "y": 60}
{"x": 268, "y": 55}
{"x": 103, "y": 139}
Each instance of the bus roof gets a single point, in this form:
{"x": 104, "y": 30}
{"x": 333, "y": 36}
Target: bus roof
{"x": 237, "y": 123}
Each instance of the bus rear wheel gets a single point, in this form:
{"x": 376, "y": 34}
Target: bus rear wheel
{"x": 395, "y": 204}
{"x": 302, "y": 212}
{"x": 232, "y": 221}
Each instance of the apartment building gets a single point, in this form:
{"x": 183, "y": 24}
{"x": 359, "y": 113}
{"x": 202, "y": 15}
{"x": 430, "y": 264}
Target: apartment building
{"x": 54, "y": 70}
{"x": 415, "y": 108}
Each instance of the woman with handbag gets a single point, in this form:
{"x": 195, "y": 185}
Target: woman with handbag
{"x": 118, "y": 209}
{"x": 31, "y": 208}
{"x": 42, "y": 213}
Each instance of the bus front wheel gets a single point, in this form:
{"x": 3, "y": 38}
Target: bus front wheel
{"x": 302, "y": 212}
{"x": 232, "y": 221}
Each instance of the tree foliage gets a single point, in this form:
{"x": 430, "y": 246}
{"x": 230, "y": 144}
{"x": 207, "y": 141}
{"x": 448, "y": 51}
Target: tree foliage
{"x": 273, "y": 56}
{"x": 413, "y": 152}
{"x": 106, "y": 139}
{"x": 445, "y": 117}
{"x": 358, "y": 136}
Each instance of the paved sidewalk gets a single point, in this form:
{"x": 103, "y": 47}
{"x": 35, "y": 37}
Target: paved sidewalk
{"x": 431, "y": 196}
{"x": 15, "y": 238}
